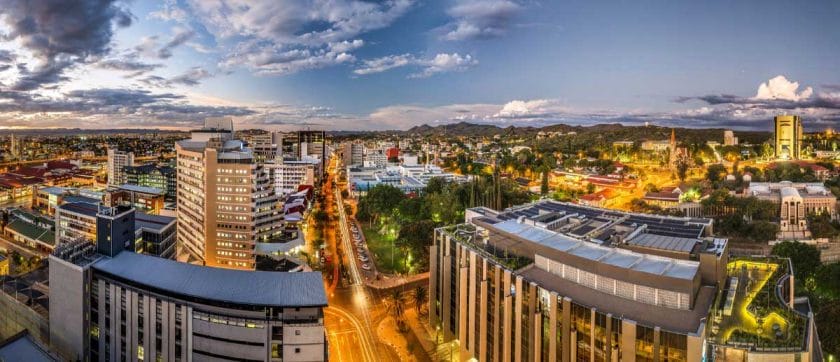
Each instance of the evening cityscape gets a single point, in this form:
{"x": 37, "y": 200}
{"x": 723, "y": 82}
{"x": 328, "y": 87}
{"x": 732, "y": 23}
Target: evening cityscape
{"x": 420, "y": 181}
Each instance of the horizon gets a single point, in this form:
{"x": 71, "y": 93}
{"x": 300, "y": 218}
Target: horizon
{"x": 403, "y": 63}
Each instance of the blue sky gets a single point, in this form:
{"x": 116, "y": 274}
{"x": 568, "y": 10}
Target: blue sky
{"x": 351, "y": 64}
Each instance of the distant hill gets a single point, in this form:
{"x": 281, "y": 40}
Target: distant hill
{"x": 606, "y": 132}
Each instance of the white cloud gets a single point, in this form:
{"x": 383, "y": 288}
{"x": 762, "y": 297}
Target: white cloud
{"x": 528, "y": 109}
{"x": 781, "y": 88}
{"x": 476, "y": 19}
{"x": 440, "y": 63}
{"x": 310, "y": 34}
{"x": 170, "y": 11}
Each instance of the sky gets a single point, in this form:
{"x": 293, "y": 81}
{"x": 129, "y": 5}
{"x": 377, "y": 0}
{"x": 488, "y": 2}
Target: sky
{"x": 394, "y": 64}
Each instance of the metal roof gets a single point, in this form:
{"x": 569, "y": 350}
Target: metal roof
{"x": 662, "y": 242}
{"x": 259, "y": 288}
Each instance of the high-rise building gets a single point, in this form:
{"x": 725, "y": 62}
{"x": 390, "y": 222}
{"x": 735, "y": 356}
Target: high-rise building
{"x": 152, "y": 175}
{"x": 226, "y": 202}
{"x": 729, "y": 138}
{"x": 353, "y": 153}
{"x": 313, "y": 143}
{"x": 117, "y": 160}
{"x": 106, "y": 304}
{"x": 14, "y": 146}
{"x": 552, "y": 281}
{"x": 788, "y": 137}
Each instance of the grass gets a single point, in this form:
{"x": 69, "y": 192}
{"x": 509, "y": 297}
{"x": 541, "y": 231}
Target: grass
{"x": 380, "y": 249}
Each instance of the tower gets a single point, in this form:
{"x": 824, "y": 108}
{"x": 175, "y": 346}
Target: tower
{"x": 788, "y": 137}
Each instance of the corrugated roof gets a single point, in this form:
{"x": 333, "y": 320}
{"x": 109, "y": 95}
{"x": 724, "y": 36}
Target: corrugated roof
{"x": 273, "y": 289}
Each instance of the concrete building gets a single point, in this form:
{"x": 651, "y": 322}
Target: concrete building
{"x": 152, "y": 175}
{"x": 288, "y": 176}
{"x": 117, "y": 160}
{"x": 143, "y": 198}
{"x": 729, "y": 138}
{"x": 554, "y": 281}
{"x": 796, "y": 201}
{"x": 226, "y": 202}
{"x": 353, "y": 153}
{"x": 127, "y": 306}
{"x": 788, "y": 137}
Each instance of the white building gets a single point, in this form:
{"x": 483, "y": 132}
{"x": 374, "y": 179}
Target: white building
{"x": 796, "y": 201}
{"x": 116, "y": 161}
{"x": 288, "y": 176}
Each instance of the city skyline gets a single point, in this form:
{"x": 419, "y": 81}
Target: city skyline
{"x": 393, "y": 65}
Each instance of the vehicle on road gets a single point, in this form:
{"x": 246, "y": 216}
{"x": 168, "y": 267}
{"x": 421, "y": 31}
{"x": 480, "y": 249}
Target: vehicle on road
{"x": 365, "y": 267}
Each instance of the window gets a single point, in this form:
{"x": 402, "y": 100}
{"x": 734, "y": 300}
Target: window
{"x": 297, "y": 332}
{"x": 297, "y": 349}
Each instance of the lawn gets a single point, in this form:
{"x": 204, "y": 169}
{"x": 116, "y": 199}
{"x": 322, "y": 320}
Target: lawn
{"x": 380, "y": 248}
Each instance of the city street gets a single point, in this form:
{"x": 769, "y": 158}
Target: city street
{"x": 354, "y": 311}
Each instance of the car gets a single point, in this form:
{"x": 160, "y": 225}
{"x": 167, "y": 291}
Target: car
{"x": 363, "y": 259}
{"x": 365, "y": 267}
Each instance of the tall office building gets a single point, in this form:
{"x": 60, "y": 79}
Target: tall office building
{"x": 226, "y": 202}
{"x": 117, "y": 160}
{"x": 107, "y": 304}
{"x": 788, "y": 132}
{"x": 729, "y": 138}
{"x": 353, "y": 153}
{"x": 313, "y": 143}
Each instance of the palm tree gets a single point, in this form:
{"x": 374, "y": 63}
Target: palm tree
{"x": 420, "y": 297}
{"x": 395, "y": 306}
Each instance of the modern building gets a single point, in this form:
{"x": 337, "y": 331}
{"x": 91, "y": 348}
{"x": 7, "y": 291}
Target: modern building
{"x": 144, "y": 198}
{"x": 109, "y": 305}
{"x": 226, "y": 202}
{"x": 152, "y": 175}
{"x": 353, "y": 153}
{"x": 313, "y": 143}
{"x": 796, "y": 201}
{"x": 117, "y": 160}
{"x": 155, "y": 235}
{"x": 729, "y": 138}
{"x": 553, "y": 281}
{"x": 788, "y": 137}
{"x": 287, "y": 176}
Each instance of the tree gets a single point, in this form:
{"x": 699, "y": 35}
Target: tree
{"x": 805, "y": 258}
{"x": 682, "y": 168}
{"x": 420, "y": 297}
{"x": 715, "y": 173}
{"x": 395, "y": 306}
{"x": 544, "y": 184}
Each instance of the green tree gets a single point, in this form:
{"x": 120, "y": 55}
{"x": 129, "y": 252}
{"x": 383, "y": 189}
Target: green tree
{"x": 805, "y": 258}
{"x": 715, "y": 173}
{"x": 544, "y": 183}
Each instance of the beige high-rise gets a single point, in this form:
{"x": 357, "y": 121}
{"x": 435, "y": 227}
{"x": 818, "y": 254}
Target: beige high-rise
{"x": 226, "y": 202}
{"x": 788, "y": 132}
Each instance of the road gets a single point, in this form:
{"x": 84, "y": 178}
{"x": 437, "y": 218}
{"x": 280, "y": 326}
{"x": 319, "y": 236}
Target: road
{"x": 354, "y": 312}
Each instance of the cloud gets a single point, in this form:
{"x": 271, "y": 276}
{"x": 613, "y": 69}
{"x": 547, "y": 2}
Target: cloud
{"x": 60, "y": 34}
{"x": 479, "y": 19}
{"x": 284, "y": 37}
{"x": 781, "y": 88}
{"x": 170, "y": 11}
{"x": 444, "y": 63}
{"x": 382, "y": 64}
{"x": 135, "y": 68}
{"x": 440, "y": 63}
{"x": 275, "y": 61}
{"x": 191, "y": 77}
{"x": 150, "y": 46}
{"x": 97, "y": 108}
{"x": 533, "y": 109}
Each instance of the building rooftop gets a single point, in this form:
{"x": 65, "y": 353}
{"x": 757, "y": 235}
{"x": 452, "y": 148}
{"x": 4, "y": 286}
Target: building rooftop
{"x": 661, "y": 242}
{"x": 82, "y": 208}
{"x": 256, "y": 288}
{"x": 153, "y": 222}
{"x": 142, "y": 189}
{"x": 623, "y": 258}
{"x": 22, "y": 347}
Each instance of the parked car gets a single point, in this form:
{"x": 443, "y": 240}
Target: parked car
{"x": 365, "y": 267}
